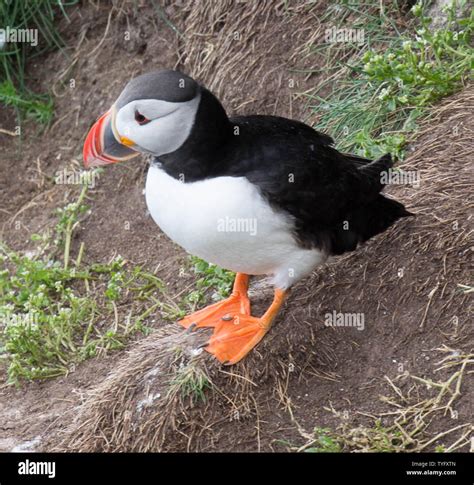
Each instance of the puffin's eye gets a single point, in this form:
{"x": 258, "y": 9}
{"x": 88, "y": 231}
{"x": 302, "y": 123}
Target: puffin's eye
{"x": 141, "y": 119}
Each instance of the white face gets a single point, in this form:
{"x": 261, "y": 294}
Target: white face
{"x": 164, "y": 128}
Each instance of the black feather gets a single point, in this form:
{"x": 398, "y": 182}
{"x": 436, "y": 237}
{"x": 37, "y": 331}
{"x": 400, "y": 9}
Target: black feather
{"x": 333, "y": 198}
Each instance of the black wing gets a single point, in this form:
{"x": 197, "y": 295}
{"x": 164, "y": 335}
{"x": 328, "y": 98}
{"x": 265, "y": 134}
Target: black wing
{"x": 334, "y": 198}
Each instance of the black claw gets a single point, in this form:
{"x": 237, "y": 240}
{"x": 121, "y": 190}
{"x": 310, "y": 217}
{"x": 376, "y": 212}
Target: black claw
{"x": 203, "y": 345}
{"x": 191, "y": 327}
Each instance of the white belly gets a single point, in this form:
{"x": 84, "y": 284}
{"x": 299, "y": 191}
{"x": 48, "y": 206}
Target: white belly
{"x": 225, "y": 221}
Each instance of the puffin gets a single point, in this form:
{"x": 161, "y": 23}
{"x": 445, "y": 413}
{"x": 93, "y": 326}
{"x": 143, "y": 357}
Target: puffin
{"x": 257, "y": 195}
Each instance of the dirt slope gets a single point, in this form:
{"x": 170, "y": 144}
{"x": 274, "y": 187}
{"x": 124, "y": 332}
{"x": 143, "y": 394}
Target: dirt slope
{"x": 304, "y": 374}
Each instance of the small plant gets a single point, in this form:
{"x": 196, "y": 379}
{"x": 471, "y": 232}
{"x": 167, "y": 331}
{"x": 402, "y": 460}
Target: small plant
{"x": 211, "y": 280}
{"x": 27, "y": 14}
{"x": 41, "y": 316}
{"x": 68, "y": 221}
{"x": 49, "y": 320}
{"x": 54, "y": 315}
{"x": 324, "y": 442}
{"x": 33, "y": 106}
{"x": 379, "y": 104}
{"x": 190, "y": 381}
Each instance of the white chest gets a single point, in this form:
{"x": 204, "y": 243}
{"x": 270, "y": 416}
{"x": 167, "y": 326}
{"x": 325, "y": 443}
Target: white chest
{"x": 223, "y": 220}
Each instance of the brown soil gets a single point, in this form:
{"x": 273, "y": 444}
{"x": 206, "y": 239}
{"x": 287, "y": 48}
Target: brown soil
{"x": 304, "y": 374}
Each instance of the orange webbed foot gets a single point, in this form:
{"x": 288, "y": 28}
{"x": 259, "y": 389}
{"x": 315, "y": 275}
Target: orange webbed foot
{"x": 237, "y": 304}
{"x": 236, "y": 332}
{"x": 233, "y": 340}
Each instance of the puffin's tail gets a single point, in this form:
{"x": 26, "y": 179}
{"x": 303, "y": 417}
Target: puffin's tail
{"x": 372, "y": 217}
{"x": 377, "y": 216}
{"x": 380, "y": 212}
{"x": 365, "y": 222}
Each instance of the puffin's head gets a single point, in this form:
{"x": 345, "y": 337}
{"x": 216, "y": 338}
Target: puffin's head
{"x": 154, "y": 114}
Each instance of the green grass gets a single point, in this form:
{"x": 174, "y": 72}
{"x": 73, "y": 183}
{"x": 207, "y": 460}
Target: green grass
{"x": 68, "y": 220}
{"x": 190, "y": 381}
{"x": 374, "y": 439}
{"x": 28, "y": 104}
{"x": 213, "y": 283}
{"x": 56, "y": 311}
{"x": 392, "y": 84}
{"x": 14, "y": 57}
{"x": 324, "y": 442}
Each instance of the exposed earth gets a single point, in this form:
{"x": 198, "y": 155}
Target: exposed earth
{"x": 359, "y": 382}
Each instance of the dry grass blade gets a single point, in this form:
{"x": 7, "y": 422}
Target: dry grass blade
{"x": 141, "y": 402}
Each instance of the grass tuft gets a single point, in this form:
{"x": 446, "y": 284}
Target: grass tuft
{"x": 213, "y": 282}
{"x": 32, "y": 106}
{"x": 324, "y": 442}
{"x": 54, "y": 314}
{"x": 14, "y": 56}
{"x": 190, "y": 381}
{"x": 410, "y": 416}
{"x": 385, "y": 92}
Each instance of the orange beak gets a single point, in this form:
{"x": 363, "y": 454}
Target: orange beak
{"x": 102, "y": 146}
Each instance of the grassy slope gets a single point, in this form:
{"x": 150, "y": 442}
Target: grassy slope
{"x": 380, "y": 96}
{"x": 390, "y": 83}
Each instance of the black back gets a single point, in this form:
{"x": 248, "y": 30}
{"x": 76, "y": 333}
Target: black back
{"x": 333, "y": 198}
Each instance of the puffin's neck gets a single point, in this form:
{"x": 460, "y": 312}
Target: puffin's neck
{"x": 199, "y": 156}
